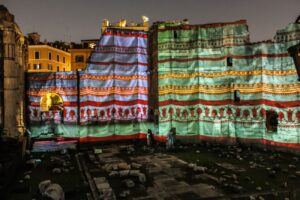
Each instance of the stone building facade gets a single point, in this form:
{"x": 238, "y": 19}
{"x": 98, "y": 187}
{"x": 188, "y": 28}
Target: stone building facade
{"x": 13, "y": 61}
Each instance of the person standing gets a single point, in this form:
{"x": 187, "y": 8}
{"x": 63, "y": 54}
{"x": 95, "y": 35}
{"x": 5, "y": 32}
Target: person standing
{"x": 150, "y": 138}
{"x": 171, "y": 137}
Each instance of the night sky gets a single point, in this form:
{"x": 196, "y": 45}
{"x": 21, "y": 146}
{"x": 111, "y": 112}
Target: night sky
{"x": 73, "y": 20}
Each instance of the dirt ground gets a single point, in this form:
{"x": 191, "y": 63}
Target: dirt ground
{"x": 130, "y": 170}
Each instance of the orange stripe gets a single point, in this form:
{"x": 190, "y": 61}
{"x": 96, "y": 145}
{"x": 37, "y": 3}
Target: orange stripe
{"x": 224, "y": 57}
{"x": 119, "y": 63}
{"x": 96, "y": 77}
{"x": 278, "y": 104}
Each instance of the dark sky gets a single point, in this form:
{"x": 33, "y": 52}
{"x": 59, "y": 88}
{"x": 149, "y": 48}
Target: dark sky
{"x": 73, "y": 20}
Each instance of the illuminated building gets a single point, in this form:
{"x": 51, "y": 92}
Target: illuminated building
{"x": 80, "y": 53}
{"x": 44, "y": 57}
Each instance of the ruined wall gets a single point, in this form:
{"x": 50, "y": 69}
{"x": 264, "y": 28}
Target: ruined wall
{"x": 202, "y": 68}
{"x": 14, "y": 52}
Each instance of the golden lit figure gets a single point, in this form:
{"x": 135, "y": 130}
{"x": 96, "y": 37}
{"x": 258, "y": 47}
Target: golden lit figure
{"x": 122, "y": 23}
{"x": 51, "y": 101}
{"x": 145, "y": 19}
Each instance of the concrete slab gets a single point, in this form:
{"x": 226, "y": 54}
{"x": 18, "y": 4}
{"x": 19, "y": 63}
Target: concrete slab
{"x": 206, "y": 191}
{"x": 174, "y": 172}
{"x": 154, "y": 171}
{"x": 231, "y": 167}
{"x": 178, "y": 188}
{"x": 206, "y": 177}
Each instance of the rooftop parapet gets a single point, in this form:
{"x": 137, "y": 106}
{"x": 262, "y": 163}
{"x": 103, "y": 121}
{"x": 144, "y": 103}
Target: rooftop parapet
{"x": 122, "y": 24}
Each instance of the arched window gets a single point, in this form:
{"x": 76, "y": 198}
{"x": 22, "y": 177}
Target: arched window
{"x": 51, "y": 101}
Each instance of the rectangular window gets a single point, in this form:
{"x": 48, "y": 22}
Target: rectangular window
{"x": 9, "y": 51}
{"x": 79, "y": 59}
{"x": 271, "y": 121}
{"x": 57, "y": 68}
{"x": 237, "y": 96}
{"x": 175, "y": 35}
{"x": 49, "y": 67}
{"x": 57, "y": 58}
{"x": 229, "y": 61}
{"x": 37, "y": 55}
{"x": 36, "y": 66}
{"x": 64, "y": 60}
{"x": 50, "y": 56}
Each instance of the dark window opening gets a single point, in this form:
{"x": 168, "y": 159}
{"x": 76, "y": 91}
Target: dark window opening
{"x": 271, "y": 121}
{"x": 57, "y": 58}
{"x": 237, "y": 96}
{"x": 50, "y": 55}
{"x": 79, "y": 59}
{"x": 229, "y": 62}
{"x": 57, "y": 68}
{"x": 175, "y": 34}
{"x": 9, "y": 51}
{"x": 37, "y": 55}
{"x": 64, "y": 60}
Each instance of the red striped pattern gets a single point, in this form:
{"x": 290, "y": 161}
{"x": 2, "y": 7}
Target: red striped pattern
{"x": 189, "y": 138}
{"x": 124, "y": 33}
{"x": 119, "y": 46}
{"x": 119, "y": 63}
{"x": 52, "y": 77}
{"x": 96, "y": 104}
{"x": 116, "y": 52}
{"x": 278, "y": 104}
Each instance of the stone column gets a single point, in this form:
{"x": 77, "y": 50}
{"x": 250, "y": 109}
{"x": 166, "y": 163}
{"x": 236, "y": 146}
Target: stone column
{"x": 21, "y": 62}
{"x": 14, "y": 63}
{"x": 14, "y": 56}
{"x": 10, "y": 83}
